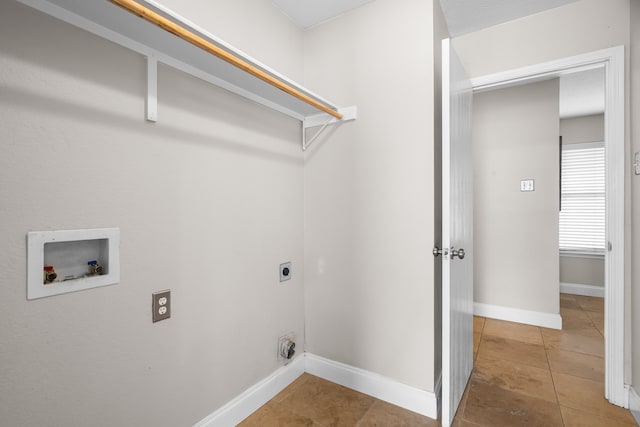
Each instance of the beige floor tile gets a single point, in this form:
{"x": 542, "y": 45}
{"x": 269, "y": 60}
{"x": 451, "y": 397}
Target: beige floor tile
{"x": 516, "y": 377}
{"x": 576, "y": 364}
{"x": 274, "y": 415}
{"x": 578, "y": 322}
{"x": 327, "y": 403}
{"x": 591, "y": 303}
{"x": 385, "y": 414}
{"x": 478, "y": 324}
{"x": 492, "y": 347}
{"x": 514, "y": 331}
{"x": 460, "y": 422}
{"x": 490, "y": 405}
{"x": 577, "y": 418}
{"x": 598, "y": 320}
{"x": 588, "y": 396}
{"x": 292, "y": 388}
{"x": 560, "y": 340}
{"x": 569, "y": 301}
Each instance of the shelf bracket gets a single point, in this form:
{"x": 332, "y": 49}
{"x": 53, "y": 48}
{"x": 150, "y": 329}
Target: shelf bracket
{"x": 152, "y": 88}
{"x": 323, "y": 120}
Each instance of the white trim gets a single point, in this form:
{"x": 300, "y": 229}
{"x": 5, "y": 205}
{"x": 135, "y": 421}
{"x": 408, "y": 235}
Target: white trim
{"x": 438, "y": 393}
{"x": 583, "y": 145}
{"x": 255, "y": 396}
{"x": 634, "y": 404}
{"x": 613, "y": 61}
{"x": 369, "y": 383}
{"x": 580, "y": 289}
{"x": 383, "y": 388}
{"x": 578, "y": 254}
{"x": 528, "y": 317}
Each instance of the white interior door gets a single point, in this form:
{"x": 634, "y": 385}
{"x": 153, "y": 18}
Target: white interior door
{"x": 457, "y": 233}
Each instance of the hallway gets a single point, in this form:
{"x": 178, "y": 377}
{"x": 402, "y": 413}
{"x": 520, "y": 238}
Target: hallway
{"x": 526, "y": 375}
{"x": 523, "y": 375}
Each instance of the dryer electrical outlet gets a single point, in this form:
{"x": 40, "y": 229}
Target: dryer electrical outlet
{"x": 285, "y": 271}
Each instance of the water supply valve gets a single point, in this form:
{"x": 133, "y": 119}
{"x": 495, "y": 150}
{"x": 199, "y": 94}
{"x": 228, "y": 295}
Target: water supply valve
{"x": 49, "y": 274}
{"x": 95, "y": 268}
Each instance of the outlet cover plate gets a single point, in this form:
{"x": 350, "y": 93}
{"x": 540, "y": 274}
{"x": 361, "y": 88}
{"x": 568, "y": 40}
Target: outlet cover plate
{"x": 161, "y": 305}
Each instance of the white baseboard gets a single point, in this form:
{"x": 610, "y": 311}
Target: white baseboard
{"x": 535, "y": 318}
{"x": 257, "y": 395}
{"x": 579, "y": 289}
{"x": 411, "y": 398}
{"x": 372, "y": 384}
{"x": 634, "y": 404}
{"x": 438, "y": 394}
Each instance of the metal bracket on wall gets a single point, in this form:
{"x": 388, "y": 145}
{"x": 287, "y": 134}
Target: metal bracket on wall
{"x": 152, "y": 88}
{"x": 323, "y": 120}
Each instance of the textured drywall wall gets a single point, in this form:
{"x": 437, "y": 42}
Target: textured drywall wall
{"x": 579, "y": 27}
{"x": 585, "y": 271}
{"x": 515, "y": 137}
{"x": 369, "y": 193}
{"x": 209, "y": 201}
{"x": 256, "y": 27}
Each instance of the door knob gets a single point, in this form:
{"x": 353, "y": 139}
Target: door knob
{"x": 437, "y": 251}
{"x": 457, "y": 253}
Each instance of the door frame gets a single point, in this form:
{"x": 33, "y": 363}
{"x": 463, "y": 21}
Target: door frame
{"x": 612, "y": 59}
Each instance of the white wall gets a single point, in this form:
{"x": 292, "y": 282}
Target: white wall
{"x": 369, "y": 193}
{"x": 255, "y": 27}
{"x": 515, "y": 137}
{"x": 209, "y": 201}
{"x": 635, "y": 181}
{"x": 579, "y": 27}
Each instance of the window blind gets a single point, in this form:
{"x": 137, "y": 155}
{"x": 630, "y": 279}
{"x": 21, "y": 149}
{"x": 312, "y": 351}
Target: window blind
{"x": 582, "y": 215}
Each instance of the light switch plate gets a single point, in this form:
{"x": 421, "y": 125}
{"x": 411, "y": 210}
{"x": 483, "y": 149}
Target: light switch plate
{"x": 637, "y": 163}
{"x": 527, "y": 185}
{"x": 161, "y": 305}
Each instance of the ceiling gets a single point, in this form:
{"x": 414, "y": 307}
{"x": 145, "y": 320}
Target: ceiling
{"x": 463, "y": 16}
{"x": 582, "y": 94}
{"x": 307, "y": 13}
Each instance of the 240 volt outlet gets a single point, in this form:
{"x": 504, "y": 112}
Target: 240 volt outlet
{"x": 285, "y": 271}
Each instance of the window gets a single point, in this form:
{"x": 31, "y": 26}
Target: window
{"x": 582, "y": 214}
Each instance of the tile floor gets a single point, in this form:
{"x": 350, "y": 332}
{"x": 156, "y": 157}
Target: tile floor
{"x": 523, "y": 376}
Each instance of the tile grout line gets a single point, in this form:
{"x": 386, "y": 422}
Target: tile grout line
{"x": 553, "y": 380}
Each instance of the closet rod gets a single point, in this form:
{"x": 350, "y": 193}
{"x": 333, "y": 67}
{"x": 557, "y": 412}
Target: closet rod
{"x": 188, "y": 36}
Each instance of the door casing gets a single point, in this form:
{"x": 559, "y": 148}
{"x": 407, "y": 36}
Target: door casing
{"x": 612, "y": 59}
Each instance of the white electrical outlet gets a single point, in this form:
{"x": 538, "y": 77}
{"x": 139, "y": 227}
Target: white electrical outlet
{"x": 637, "y": 163}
